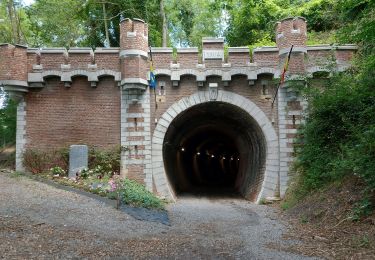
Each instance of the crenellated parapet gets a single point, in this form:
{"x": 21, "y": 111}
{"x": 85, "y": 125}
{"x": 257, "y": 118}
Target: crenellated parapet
{"x": 68, "y": 64}
{"x": 23, "y": 68}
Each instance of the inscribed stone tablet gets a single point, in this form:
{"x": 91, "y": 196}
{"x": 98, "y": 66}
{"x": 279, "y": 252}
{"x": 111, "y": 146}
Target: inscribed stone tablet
{"x": 78, "y": 159}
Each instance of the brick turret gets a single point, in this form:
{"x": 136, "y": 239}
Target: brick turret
{"x": 13, "y": 69}
{"x": 134, "y": 53}
{"x": 135, "y": 99}
{"x": 292, "y": 31}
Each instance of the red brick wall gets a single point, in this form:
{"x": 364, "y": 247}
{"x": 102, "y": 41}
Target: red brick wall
{"x": 266, "y": 59}
{"x": 213, "y": 45}
{"x": 5, "y": 55}
{"x": 107, "y": 61}
{"x": 79, "y": 60}
{"x": 297, "y": 39}
{"x": 238, "y": 85}
{"x": 238, "y": 59}
{"x": 344, "y": 55}
{"x": 31, "y": 60}
{"x": 162, "y": 60}
{"x": 52, "y": 61}
{"x": 13, "y": 63}
{"x": 136, "y": 173}
{"x": 296, "y": 63}
{"x": 187, "y": 60}
{"x": 140, "y": 41}
{"x": 57, "y": 116}
{"x": 319, "y": 57}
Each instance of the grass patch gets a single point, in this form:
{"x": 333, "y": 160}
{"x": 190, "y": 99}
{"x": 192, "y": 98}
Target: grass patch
{"x": 137, "y": 195}
{"x": 16, "y": 174}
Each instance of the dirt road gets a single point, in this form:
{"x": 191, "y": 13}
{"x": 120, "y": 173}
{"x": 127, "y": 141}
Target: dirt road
{"x": 38, "y": 221}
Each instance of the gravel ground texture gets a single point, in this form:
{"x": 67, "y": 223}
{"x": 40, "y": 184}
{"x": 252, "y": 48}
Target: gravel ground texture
{"x": 39, "y": 221}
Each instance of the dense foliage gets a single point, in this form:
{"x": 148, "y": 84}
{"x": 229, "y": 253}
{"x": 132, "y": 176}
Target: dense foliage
{"x": 339, "y": 135}
{"x": 96, "y": 22}
{"x": 7, "y": 120}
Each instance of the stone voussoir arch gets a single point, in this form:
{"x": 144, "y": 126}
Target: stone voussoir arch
{"x": 271, "y": 172}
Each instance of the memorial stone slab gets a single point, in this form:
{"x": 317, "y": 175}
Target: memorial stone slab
{"x": 78, "y": 159}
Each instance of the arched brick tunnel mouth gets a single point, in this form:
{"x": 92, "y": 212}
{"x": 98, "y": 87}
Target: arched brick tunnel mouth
{"x": 215, "y": 149}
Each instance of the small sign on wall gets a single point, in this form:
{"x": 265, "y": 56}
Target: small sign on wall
{"x": 160, "y": 98}
{"x": 213, "y": 54}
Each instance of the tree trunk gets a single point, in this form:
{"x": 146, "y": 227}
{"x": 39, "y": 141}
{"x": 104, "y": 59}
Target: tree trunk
{"x": 13, "y": 23}
{"x": 106, "y": 26}
{"x": 165, "y": 28}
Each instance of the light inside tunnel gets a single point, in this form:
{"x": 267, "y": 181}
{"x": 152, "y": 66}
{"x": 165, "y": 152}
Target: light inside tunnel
{"x": 198, "y": 143}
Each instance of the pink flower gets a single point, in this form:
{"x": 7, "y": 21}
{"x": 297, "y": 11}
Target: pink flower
{"x": 113, "y": 185}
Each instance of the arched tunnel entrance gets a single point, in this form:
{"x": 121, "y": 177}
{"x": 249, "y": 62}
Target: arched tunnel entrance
{"x": 215, "y": 148}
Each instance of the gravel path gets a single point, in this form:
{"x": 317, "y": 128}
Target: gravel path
{"x": 38, "y": 221}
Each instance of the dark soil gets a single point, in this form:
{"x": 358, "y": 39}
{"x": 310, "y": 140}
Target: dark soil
{"x": 324, "y": 222}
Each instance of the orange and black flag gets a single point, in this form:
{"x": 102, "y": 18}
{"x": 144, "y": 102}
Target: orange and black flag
{"x": 282, "y": 78}
{"x": 286, "y": 66}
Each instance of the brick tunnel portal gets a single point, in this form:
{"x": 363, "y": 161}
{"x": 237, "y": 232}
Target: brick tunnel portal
{"x": 215, "y": 149}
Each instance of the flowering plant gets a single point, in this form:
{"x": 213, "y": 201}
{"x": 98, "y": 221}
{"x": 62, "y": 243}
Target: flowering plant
{"x": 57, "y": 171}
{"x": 116, "y": 185}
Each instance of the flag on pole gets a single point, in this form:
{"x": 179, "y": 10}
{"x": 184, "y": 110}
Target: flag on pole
{"x": 286, "y": 66}
{"x": 282, "y": 78}
{"x": 152, "y": 78}
{"x": 152, "y": 75}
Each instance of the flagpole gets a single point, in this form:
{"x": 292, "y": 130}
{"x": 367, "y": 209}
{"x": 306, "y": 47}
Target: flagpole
{"x": 282, "y": 75}
{"x": 151, "y": 68}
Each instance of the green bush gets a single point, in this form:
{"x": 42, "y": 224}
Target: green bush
{"x": 137, "y": 195}
{"x": 56, "y": 170}
{"x": 107, "y": 160}
{"x": 338, "y": 139}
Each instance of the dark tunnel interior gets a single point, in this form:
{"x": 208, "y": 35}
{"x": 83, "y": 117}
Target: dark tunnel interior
{"x": 214, "y": 149}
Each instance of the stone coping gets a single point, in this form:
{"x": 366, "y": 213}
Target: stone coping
{"x": 188, "y": 50}
{"x": 238, "y": 50}
{"x": 80, "y": 50}
{"x": 107, "y": 50}
{"x": 161, "y": 50}
{"x": 212, "y": 40}
{"x": 266, "y": 49}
